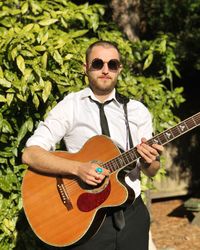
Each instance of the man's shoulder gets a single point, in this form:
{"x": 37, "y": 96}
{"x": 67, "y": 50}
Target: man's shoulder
{"x": 76, "y": 95}
{"x": 138, "y": 105}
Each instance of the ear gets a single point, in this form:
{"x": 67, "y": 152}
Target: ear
{"x": 85, "y": 67}
{"x": 121, "y": 68}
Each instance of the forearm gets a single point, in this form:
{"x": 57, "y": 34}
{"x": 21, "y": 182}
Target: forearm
{"x": 47, "y": 162}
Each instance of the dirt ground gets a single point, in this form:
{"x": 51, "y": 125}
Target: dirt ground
{"x": 171, "y": 226}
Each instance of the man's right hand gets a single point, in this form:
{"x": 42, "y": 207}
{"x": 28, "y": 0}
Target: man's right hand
{"x": 87, "y": 172}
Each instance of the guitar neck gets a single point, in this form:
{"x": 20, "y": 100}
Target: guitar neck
{"x": 163, "y": 138}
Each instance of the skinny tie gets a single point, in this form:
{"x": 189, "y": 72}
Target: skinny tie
{"x": 118, "y": 216}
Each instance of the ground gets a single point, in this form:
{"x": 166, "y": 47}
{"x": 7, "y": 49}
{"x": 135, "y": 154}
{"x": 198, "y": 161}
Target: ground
{"x": 171, "y": 226}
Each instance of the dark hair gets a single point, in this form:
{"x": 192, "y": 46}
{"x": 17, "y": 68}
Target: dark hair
{"x": 102, "y": 43}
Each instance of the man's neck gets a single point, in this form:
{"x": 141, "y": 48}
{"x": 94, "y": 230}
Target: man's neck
{"x": 102, "y": 96}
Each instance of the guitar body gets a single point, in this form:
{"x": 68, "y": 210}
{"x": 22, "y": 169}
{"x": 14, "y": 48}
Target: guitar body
{"x": 63, "y": 211}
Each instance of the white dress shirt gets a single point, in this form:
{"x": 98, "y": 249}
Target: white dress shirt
{"x": 75, "y": 119}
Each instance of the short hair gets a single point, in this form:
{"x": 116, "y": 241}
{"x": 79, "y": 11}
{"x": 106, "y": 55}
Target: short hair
{"x": 102, "y": 43}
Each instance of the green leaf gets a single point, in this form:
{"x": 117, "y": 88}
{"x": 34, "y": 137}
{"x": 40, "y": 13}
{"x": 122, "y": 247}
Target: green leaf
{"x": 5, "y": 83}
{"x": 3, "y": 160}
{"x": 20, "y": 63}
{"x": 2, "y": 98}
{"x": 9, "y": 224}
{"x": 21, "y": 97}
{"x": 47, "y": 22}
{"x": 7, "y": 181}
{"x": 14, "y": 53}
{"x": 44, "y": 38}
{"x": 163, "y": 46}
{"x": 9, "y": 98}
{"x": 46, "y": 91}
{"x": 28, "y": 27}
{"x": 36, "y": 101}
{"x": 58, "y": 57}
{"x": 1, "y": 72}
{"x": 40, "y": 48}
{"x": 6, "y": 127}
{"x": 148, "y": 61}
{"x": 78, "y": 33}
{"x": 6, "y": 154}
{"x": 44, "y": 60}
{"x": 27, "y": 74}
{"x": 24, "y": 8}
{"x": 26, "y": 126}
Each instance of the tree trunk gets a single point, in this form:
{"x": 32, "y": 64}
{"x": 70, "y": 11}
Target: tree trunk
{"x": 127, "y": 14}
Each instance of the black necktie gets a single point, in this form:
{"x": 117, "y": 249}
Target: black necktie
{"x": 103, "y": 119}
{"x": 118, "y": 216}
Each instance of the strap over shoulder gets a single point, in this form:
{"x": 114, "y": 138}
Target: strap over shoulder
{"x": 121, "y": 98}
{"x": 124, "y": 100}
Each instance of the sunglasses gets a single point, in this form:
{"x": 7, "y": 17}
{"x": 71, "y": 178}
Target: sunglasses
{"x": 98, "y": 64}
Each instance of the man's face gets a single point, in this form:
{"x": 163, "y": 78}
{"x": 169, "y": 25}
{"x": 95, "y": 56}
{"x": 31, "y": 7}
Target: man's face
{"x": 103, "y": 80}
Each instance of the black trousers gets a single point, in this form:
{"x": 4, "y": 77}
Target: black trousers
{"x": 134, "y": 236}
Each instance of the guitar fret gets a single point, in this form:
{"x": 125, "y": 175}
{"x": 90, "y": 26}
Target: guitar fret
{"x": 132, "y": 155}
{"x": 183, "y": 126}
{"x": 162, "y": 139}
{"x": 118, "y": 163}
{"x": 176, "y": 132}
{"x": 190, "y": 123}
{"x": 125, "y": 158}
{"x": 121, "y": 160}
{"x": 179, "y": 129}
{"x": 197, "y": 118}
{"x": 110, "y": 166}
{"x": 157, "y": 140}
{"x": 166, "y": 138}
{"x": 129, "y": 155}
{"x": 169, "y": 135}
{"x": 194, "y": 121}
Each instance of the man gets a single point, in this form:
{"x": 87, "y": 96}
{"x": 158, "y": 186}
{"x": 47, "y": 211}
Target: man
{"x": 75, "y": 120}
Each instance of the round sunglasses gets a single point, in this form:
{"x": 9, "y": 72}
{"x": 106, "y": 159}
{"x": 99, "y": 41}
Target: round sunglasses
{"x": 98, "y": 64}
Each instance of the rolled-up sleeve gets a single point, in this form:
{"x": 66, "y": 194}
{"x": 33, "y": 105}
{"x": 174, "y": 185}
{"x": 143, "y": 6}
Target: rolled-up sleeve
{"x": 53, "y": 129}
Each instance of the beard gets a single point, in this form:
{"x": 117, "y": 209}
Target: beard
{"x": 102, "y": 86}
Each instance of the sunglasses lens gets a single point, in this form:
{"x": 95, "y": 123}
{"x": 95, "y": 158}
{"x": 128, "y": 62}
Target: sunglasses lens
{"x": 113, "y": 64}
{"x": 97, "y": 64}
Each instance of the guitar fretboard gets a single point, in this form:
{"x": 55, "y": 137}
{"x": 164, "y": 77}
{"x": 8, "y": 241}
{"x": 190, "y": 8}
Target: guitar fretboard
{"x": 163, "y": 138}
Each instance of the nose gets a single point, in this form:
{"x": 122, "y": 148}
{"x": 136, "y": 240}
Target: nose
{"x": 105, "y": 68}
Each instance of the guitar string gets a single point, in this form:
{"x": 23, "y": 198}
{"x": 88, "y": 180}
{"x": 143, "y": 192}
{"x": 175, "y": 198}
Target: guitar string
{"x": 113, "y": 164}
{"x": 174, "y": 132}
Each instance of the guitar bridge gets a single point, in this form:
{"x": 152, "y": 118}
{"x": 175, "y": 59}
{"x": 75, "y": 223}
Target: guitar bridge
{"x": 63, "y": 193}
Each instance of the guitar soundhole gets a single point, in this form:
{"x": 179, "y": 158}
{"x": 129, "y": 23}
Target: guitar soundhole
{"x": 91, "y": 200}
{"x": 94, "y": 189}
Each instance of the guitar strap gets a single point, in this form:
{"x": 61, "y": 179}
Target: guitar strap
{"x": 124, "y": 100}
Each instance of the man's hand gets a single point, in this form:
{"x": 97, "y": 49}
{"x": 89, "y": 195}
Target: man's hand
{"x": 149, "y": 153}
{"x": 149, "y": 157}
{"x": 88, "y": 173}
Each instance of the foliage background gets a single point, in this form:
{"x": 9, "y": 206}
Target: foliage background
{"x": 181, "y": 20}
{"x": 42, "y": 47}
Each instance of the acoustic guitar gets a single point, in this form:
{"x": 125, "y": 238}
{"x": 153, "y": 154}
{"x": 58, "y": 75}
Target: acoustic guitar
{"x": 63, "y": 210}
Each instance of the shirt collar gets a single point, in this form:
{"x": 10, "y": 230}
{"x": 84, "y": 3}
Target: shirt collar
{"x": 88, "y": 92}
